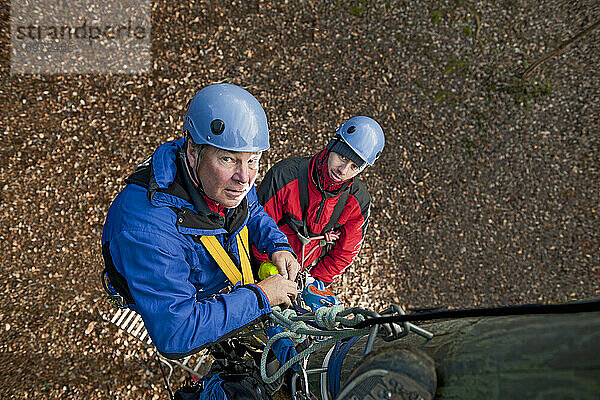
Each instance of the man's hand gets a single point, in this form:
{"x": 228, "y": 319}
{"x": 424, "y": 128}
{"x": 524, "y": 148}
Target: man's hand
{"x": 316, "y": 295}
{"x": 286, "y": 264}
{"x": 279, "y": 291}
{"x": 332, "y": 236}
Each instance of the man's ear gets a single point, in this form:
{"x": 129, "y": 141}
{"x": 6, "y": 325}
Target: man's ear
{"x": 189, "y": 154}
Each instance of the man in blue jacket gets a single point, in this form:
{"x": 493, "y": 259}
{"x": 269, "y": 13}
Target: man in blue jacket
{"x": 175, "y": 241}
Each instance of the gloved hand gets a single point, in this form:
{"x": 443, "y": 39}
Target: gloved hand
{"x": 316, "y": 295}
{"x": 283, "y": 348}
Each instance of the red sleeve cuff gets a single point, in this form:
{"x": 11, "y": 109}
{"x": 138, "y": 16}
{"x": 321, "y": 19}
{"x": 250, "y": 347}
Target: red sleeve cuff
{"x": 263, "y": 292}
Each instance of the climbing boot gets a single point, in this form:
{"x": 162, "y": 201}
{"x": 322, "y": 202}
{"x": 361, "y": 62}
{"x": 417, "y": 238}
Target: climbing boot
{"x": 399, "y": 373}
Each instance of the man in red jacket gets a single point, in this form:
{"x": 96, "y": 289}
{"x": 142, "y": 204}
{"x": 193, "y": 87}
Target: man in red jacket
{"x": 321, "y": 206}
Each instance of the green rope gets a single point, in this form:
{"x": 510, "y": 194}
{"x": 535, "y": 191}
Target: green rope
{"x": 298, "y": 331}
{"x": 326, "y": 316}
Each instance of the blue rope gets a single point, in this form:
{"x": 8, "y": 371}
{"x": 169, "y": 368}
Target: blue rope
{"x": 325, "y": 316}
{"x": 334, "y": 368}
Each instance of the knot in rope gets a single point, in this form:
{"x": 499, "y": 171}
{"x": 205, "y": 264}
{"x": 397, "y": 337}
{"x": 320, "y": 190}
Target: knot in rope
{"x": 283, "y": 319}
{"x": 347, "y": 322}
{"x": 325, "y": 316}
{"x": 295, "y": 327}
{"x": 288, "y": 313}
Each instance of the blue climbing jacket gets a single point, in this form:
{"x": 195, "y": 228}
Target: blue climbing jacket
{"x": 151, "y": 236}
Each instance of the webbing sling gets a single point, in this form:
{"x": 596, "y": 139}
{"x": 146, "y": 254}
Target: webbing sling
{"x": 218, "y": 253}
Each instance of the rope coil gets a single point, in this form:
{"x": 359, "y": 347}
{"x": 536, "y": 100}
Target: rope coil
{"x": 334, "y": 324}
{"x": 298, "y": 331}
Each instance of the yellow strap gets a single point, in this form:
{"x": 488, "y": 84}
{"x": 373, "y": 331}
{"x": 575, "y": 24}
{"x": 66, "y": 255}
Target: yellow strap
{"x": 243, "y": 249}
{"x": 223, "y": 260}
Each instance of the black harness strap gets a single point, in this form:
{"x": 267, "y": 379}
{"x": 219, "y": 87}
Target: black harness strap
{"x": 123, "y": 296}
{"x": 337, "y": 211}
{"x": 303, "y": 188}
{"x": 303, "y": 197}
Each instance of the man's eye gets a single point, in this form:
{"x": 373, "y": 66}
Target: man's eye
{"x": 227, "y": 159}
{"x": 343, "y": 158}
{"x": 354, "y": 167}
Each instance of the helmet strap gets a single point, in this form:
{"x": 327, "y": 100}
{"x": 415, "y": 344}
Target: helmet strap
{"x": 191, "y": 171}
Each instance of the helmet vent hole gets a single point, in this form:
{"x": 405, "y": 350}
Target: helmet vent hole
{"x": 189, "y": 120}
{"x": 352, "y": 129}
{"x": 217, "y": 126}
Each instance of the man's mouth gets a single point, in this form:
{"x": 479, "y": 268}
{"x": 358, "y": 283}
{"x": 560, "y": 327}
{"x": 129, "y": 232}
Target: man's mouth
{"x": 235, "y": 192}
{"x": 335, "y": 177}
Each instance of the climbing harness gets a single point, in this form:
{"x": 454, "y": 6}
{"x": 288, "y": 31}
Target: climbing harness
{"x": 118, "y": 292}
{"x": 224, "y": 261}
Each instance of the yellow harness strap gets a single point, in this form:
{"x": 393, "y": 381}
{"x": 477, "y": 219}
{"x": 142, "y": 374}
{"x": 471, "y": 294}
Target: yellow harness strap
{"x": 218, "y": 253}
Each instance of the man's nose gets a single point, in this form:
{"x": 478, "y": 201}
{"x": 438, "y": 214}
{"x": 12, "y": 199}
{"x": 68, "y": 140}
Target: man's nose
{"x": 344, "y": 168}
{"x": 242, "y": 173}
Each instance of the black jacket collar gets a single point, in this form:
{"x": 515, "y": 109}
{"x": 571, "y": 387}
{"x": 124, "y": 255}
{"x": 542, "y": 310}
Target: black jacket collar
{"x": 202, "y": 217}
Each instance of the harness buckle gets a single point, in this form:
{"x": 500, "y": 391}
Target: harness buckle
{"x": 303, "y": 239}
{"x": 117, "y": 300}
{"x": 114, "y": 297}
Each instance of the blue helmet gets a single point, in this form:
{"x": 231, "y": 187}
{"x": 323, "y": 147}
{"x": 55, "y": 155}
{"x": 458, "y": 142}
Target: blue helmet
{"x": 228, "y": 117}
{"x": 364, "y": 136}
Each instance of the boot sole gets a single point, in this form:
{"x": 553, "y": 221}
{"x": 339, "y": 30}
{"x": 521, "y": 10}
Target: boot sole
{"x": 399, "y": 374}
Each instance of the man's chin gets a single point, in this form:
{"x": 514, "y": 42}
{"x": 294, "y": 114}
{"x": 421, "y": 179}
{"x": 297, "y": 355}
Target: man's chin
{"x": 229, "y": 201}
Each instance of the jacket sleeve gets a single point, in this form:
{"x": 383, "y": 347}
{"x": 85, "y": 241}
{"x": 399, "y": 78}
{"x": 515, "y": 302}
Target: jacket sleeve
{"x": 263, "y": 230}
{"x": 157, "y": 272}
{"x": 347, "y": 247}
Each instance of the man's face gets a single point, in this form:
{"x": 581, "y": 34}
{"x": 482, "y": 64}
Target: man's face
{"x": 227, "y": 176}
{"x": 341, "y": 168}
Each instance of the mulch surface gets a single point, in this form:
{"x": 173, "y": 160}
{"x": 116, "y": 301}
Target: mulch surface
{"x": 487, "y": 192}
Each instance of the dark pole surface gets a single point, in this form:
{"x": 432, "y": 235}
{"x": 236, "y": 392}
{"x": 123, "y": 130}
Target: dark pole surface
{"x": 524, "y": 356}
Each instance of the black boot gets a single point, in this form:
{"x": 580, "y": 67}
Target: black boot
{"x": 392, "y": 374}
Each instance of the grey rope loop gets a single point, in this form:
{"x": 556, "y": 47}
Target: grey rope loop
{"x": 336, "y": 326}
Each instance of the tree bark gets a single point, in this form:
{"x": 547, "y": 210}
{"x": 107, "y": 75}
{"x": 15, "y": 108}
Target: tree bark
{"x": 514, "y": 357}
